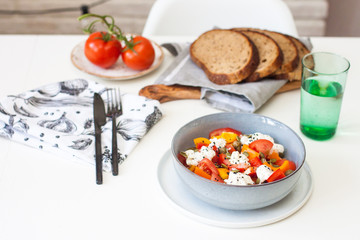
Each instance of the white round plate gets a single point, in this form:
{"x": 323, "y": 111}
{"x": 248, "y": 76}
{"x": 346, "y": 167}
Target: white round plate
{"x": 187, "y": 203}
{"x": 119, "y": 71}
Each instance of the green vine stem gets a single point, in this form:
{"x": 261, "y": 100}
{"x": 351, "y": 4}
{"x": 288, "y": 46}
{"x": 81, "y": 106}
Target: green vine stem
{"x": 112, "y": 29}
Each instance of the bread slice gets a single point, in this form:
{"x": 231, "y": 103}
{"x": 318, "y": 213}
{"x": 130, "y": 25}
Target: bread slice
{"x": 288, "y": 48}
{"x": 296, "y": 74}
{"x": 226, "y": 56}
{"x": 270, "y": 55}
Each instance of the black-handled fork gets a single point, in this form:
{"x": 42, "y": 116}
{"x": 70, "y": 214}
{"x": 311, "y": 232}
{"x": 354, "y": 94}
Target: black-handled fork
{"x": 113, "y": 110}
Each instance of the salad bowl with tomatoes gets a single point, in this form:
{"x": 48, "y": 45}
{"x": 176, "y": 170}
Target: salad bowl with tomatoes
{"x": 238, "y": 161}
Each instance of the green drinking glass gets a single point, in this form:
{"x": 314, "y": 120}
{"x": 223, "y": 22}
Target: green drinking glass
{"x": 322, "y": 88}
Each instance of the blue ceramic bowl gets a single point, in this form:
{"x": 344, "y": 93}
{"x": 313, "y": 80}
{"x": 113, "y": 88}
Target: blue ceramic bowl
{"x": 231, "y": 196}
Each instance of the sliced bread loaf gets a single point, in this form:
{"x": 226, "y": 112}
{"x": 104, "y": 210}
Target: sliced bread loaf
{"x": 226, "y": 56}
{"x": 270, "y": 55}
{"x": 288, "y": 48}
{"x": 296, "y": 74}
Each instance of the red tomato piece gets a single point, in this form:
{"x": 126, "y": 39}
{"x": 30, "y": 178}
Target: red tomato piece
{"x": 261, "y": 145}
{"x": 216, "y": 160}
{"x": 277, "y": 175}
{"x": 101, "y": 51}
{"x": 230, "y": 147}
{"x": 255, "y": 162}
{"x": 182, "y": 159}
{"x": 141, "y": 57}
{"x": 219, "y": 131}
{"x": 208, "y": 166}
{"x": 252, "y": 172}
{"x": 217, "y": 178}
{"x": 241, "y": 166}
{"x": 200, "y": 145}
{"x": 279, "y": 162}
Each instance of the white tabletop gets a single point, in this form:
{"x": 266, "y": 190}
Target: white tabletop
{"x": 43, "y": 196}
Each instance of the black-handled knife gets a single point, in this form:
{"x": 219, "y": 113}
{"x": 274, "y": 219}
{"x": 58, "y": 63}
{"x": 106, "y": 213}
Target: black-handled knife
{"x": 99, "y": 120}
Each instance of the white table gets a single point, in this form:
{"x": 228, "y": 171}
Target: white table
{"x": 43, "y": 196}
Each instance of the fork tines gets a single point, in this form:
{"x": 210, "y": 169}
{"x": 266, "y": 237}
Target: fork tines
{"x": 114, "y": 109}
{"x": 114, "y": 101}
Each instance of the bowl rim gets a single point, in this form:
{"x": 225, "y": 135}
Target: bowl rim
{"x": 174, "y": 155}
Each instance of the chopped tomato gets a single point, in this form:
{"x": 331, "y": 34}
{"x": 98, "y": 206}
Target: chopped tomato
{"x": 241, "y": 166}
{"x": 252, "y": 172}
{"x": 222, "y": 159}
{"x": 208, "y": 166}
{"x": 230, "y": 147}
{"x": 200, "y": 145}
{"x": 279, "y": 162}
{"x": 219, "y": 131}
{"x": 277, "y": 175}
{"x": 255, "y": 161}
{"x": 215, "y": 160}
{"x": 217, "y": 178}
{"x": 261, "y": 145}
{"x": 182, "y": 159}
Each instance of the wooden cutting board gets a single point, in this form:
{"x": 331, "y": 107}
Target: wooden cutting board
{"x": 167, "y": 93}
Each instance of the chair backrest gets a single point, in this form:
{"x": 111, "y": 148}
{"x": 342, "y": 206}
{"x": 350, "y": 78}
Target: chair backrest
{"x": 193, "y": 17}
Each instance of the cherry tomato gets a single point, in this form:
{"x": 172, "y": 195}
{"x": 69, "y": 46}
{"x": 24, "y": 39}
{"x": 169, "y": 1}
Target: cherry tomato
{"x": 255, "y": 162}
{"x": 262, "y": 145}
{"x": 141, "y": 57}
{"x": 101, "y": 51}
{"x": 182, "y": 159}
{"x": 209, "y": 167}
{"x": 230, "y": 148}
{"x": 219, "y": 131}
{"x": 277, "y": 175}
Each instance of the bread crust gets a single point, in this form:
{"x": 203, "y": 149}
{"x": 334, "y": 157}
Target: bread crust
{"x": 295, "y": 75}
{"x": 222, "y": 78}
{"x": 275, "y": 61}
{"x": 291, "y": 60}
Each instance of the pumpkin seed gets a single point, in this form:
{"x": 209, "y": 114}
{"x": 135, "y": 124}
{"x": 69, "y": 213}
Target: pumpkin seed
{"x": 236, "y": 144}
{"x": 288, "y": 172}
{"x": 222, "y": 150}
{"x": 273, "y": 160}
{"x": 183, "y": 154}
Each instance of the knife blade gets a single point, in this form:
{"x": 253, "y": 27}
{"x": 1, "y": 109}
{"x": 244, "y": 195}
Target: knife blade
{"x": 99, "y": 120}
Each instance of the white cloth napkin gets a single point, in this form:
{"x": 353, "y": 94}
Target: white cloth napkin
{"x": 241, "y": 97}
{"x": 58, "y": 118}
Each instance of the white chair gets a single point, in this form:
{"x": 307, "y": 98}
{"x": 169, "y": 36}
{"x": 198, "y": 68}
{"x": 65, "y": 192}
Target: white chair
{"x": 193, "y": 17}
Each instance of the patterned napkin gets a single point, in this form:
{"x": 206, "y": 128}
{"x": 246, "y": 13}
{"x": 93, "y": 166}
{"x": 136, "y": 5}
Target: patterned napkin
{"x": 58, "y": 118}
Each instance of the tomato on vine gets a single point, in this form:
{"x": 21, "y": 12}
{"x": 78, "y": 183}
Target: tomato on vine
{"x": 104, "y": 48}
{"x": 141, "y": 57}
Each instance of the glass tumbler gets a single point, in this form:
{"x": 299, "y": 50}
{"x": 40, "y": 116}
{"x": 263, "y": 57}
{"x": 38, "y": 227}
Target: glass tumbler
{"x": 322, "y": 88}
